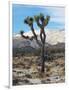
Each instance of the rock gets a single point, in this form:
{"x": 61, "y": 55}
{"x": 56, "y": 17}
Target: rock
{"x": 47, "y": 75}
{"x": 43, "y": 81}
{"x": 48, "y": 80}
{"x": 15, "y": 81}
{"x": 35, "y": 81}
{"x": 25, "y": 81}
{"x": 28, "y": 76}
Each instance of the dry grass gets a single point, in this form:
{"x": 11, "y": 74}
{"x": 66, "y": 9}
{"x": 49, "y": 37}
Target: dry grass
{"x": 27, "y": 70}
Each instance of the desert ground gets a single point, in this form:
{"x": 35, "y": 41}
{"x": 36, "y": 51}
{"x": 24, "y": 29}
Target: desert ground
{"x": 27, "y": 60}
{"x": 27, "y": 70}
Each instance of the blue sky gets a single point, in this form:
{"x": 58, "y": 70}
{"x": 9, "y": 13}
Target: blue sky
{"x": 20, "y": 12}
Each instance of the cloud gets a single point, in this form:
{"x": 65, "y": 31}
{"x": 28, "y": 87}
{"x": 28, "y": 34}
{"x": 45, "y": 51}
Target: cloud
{"x": 55, "y": 11}
{"x": 57, "y": 14}
{"x": 57, "y": 19}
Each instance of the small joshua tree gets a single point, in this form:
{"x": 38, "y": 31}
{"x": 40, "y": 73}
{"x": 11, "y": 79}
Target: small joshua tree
{"x": 41, "y": 22}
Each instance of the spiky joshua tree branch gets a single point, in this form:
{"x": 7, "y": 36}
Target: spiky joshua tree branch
{"x": 41, "y": 23}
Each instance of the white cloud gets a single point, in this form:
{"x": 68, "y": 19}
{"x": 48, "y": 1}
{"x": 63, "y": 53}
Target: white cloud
{"x": 55, "y": 11}
{"x": 57, "y": 14}
{"x": 57, "y": 19}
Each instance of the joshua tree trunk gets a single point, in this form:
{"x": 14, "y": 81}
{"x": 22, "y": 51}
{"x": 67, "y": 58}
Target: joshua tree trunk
{"x": 43, "y": 37}
{"x": 43, "y": 59}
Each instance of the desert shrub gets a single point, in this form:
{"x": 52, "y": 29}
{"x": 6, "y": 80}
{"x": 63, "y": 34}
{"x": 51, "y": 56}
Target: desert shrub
{"x": 49, "y": 51}
{"x": 18, "y": 52}
{"x": 37, "y": 52}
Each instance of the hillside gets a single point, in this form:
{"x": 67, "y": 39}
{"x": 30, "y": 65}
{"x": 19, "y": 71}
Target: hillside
{"x": 52, "y": 37}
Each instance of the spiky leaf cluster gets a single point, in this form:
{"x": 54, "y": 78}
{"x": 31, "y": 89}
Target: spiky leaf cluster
{"x": 46, "y": 20}
{"x": 29, "y": 21}
{"x": 21, "y": 32}
{"x": 41, "y": 20}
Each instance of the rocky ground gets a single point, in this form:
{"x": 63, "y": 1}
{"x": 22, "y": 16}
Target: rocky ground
{"x": 27, "y": 70}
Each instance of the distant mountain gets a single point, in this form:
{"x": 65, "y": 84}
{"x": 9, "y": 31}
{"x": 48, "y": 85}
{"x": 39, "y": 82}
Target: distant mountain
{"x": 53, "y": 37}
{"x": 55, "y": 42}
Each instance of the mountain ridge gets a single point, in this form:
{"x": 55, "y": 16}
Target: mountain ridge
{"x": 53, "y": 37}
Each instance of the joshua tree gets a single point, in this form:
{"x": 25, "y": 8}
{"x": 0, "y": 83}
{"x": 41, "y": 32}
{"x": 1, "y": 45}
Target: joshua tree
{"x": 41, "y": 23}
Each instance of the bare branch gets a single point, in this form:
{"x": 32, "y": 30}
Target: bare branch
{"x": 26, "y": 37}
{"x": 35, "y": 36}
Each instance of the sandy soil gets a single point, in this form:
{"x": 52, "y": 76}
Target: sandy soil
{"x": 27, "y": 70}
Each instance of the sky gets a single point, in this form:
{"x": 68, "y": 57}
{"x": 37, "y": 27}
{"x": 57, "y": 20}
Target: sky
{"x": 20, "y": 12}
